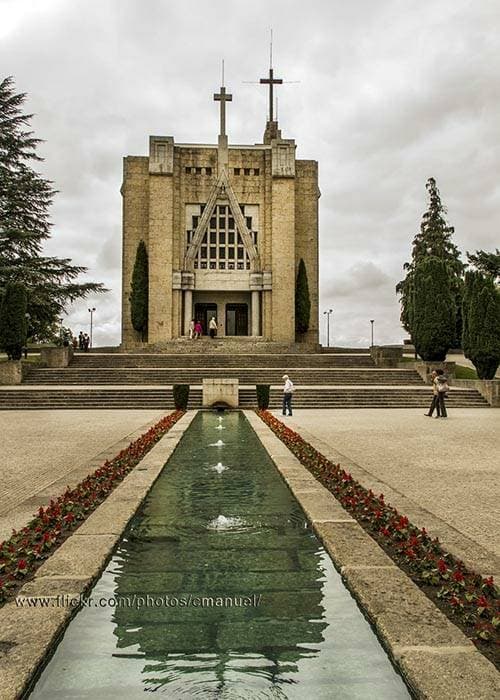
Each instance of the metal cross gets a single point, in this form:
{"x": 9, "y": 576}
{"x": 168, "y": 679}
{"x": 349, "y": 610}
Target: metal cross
{"x": 222, "y": 97}
{"x": 271, "y": 81}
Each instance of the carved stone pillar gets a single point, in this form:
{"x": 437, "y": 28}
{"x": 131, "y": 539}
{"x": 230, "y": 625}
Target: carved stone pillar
{"x": 255, "y": 313}
{"x": 188, "y": 310}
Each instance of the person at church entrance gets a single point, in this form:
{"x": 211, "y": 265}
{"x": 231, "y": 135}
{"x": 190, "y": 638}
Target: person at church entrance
{"x": 191, "y": 329}
{"x": 198, "y": 330}
{"x": 288, "y": 390}
{"x": 212, "y": 326}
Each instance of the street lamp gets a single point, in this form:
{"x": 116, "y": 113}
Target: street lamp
{"x": 372, "y": 321}
{"x": 91, "y": 312}
{"x": 327, "y": 314}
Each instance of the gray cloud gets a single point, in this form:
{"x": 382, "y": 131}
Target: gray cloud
{"x": 390, "y": 93}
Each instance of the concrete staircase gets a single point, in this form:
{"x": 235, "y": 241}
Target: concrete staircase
{"x": 144, "y": 380}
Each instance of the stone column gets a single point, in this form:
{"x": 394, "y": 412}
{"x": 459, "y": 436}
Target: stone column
{"x": 188, "y": 310}
{"x": 255, "y": 312}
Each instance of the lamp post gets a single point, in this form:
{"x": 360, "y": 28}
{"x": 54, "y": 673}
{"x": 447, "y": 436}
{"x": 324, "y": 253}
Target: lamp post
{"x": 91, "y": 312}
{"x": 327, "y": 314}
{"x": 372, "y": 321}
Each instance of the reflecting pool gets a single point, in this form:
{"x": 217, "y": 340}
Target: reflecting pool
{"x": 220, "y": 589}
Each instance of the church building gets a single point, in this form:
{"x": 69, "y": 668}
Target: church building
{"x": 225, "y": 227}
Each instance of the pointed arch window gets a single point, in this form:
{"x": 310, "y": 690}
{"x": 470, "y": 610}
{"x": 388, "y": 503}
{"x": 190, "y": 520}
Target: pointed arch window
{"x": 222, "y": 247}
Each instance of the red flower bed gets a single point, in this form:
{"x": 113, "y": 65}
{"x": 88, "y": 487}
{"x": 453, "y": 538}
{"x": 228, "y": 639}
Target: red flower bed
{"x": 467, "y": 598}
{"x": 26, "y": 549}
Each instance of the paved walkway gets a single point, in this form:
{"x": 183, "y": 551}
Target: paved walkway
{"x": 43, "y": 451}
{"x": 444, "y": 474}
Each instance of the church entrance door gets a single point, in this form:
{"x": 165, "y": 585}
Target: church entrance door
{"x": 203, "y": 313}
{"x": 236, "y": 319}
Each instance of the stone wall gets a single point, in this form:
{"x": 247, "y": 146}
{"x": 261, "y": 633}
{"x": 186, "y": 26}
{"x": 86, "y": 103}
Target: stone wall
{"x": 488, "y": 388}
{"x": 306, "y": 236}
{"x": 11, "y": 372}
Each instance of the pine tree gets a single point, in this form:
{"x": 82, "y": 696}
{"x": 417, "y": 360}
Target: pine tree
{"x": 433, "y": 309}
{"x": 139, "y": 296}
{"x": 433, "y": 240}
{"x": 13, "y": 320}
{"x": 481, "y": 312}
{"x": 302, "y": 300}
{"x": 25, "y": 199}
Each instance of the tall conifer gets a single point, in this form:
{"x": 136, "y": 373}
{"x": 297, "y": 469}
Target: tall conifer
{"x": 433, "y": 240}
{"x": 139, "y": 295}
{"x": 25, "y": 199}
{"x": 302, "y": 300}
{"x": 481, "y": 312}
{"x": 433, "y": 309}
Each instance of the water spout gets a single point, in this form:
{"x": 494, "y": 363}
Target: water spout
{"x": 219, "y": 468}
{"x": 219, "y": 443}
{"x": 223, "y": 523}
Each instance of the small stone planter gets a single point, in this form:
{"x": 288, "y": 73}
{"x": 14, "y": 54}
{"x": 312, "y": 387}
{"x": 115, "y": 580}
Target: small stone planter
{"x": 56, "y": 357}
{"x": 11, "y": 372}
{"x": 386, "y": 355}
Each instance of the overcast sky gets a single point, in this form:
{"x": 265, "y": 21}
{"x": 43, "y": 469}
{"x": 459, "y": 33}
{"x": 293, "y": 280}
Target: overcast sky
{"x": 391, "y": 92}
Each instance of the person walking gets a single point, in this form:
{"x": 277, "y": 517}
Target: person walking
{"x": 198, "y": 330}
{"x": 435, "y": 399}
{"x": 443, "y": 388}
{"x": 288, "y": 390}
{"x": 86, "y": 342}
{"x": 212, "y": 326}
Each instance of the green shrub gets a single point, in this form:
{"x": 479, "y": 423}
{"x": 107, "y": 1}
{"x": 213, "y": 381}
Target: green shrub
{"x": 139, "y": 295}
{"x": 181, "y": 396}
{"x": 433, "y": 310}
{"x": 263, "y": 396}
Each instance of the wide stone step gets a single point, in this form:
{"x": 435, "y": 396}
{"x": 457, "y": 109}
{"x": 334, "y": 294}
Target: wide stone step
{"x": 166, "y": 376}
{"x": 204, "y": 360}
{"x": 338, "y": 397}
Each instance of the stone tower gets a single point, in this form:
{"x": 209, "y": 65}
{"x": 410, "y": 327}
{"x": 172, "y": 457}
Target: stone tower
{"x": 225, "y": 227}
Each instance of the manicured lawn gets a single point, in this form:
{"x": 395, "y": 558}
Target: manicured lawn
{"x": 462, "y": 372}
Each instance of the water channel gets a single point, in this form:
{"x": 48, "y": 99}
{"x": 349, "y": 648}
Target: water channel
{"x": 243, "y": 600}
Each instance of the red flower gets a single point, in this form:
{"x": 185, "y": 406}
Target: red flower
{"x": 458, "y": 576}
{"x": 442, "y": 566}
{"x": 22, "y": 564}
{"x": 482, "y": 602}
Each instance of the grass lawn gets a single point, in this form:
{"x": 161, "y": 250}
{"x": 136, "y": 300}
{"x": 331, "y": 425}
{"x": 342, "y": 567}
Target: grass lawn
{"x": 462, "y": 372}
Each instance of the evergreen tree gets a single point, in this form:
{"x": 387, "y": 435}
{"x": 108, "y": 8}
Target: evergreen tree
{"x": 433, "y": 240}
{"x": 13, "y": 320}
{"x": 433, "y": 309}
{"x": 25, "y": 199}
{"x": 139, "y": 296}
{"x": 302, "y": 300}
{"x": 481, "y": 312}
{"x": 487, "y": 263}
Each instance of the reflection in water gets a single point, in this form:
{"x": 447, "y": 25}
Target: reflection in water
{"x": 248, "y": 606}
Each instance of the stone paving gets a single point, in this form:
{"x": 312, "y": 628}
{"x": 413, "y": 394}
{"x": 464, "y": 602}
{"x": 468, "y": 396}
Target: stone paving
{"x": 444, "y": 474}
{"x": 44, "y": 450}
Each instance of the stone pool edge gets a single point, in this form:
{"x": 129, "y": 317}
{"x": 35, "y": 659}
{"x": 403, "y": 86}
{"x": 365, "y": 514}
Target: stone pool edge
{"x": 29, "y": 634}
{"x": 436, "y": 660}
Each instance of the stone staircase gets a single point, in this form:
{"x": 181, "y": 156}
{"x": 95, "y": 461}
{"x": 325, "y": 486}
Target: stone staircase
{"x": 144, "y": 381}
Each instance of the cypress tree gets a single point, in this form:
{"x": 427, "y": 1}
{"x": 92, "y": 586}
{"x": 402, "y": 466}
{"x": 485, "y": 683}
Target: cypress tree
{"x": 302, "y": 300}
{"x": 25, "y": 199}
{"x": 481, "y": 312}
{"x": 13, "y": 320}
{"x": 487, "y": 263}
{"x": 433, "y": 309}
{"x": 433, "y": 240}
{"x": 139, "y": 296}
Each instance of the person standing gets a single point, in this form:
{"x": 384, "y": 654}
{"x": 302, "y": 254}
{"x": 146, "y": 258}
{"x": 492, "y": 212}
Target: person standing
{"x": 191, "y": 329}
{"x": 441, "y": 382}
{"x": 86, "y": 342}
{"x": 80, "y": 341}
{"x": 435, "y": 399}
{"x": 198, "y": 330}
{"x": 212, "y": 326}
{"x": 288, "y": 390}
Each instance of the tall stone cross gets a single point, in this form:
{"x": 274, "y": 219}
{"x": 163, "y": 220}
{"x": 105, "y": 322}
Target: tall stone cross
{"x": 223, "y": 97}
{"x": 271, "y": 81}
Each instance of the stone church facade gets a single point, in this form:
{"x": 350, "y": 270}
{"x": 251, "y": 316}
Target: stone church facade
{"x": 225, "y": 227}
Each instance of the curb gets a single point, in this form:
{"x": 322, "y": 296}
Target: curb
{"x": 29, "y": 634}
{"x": 434, "y": 657}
